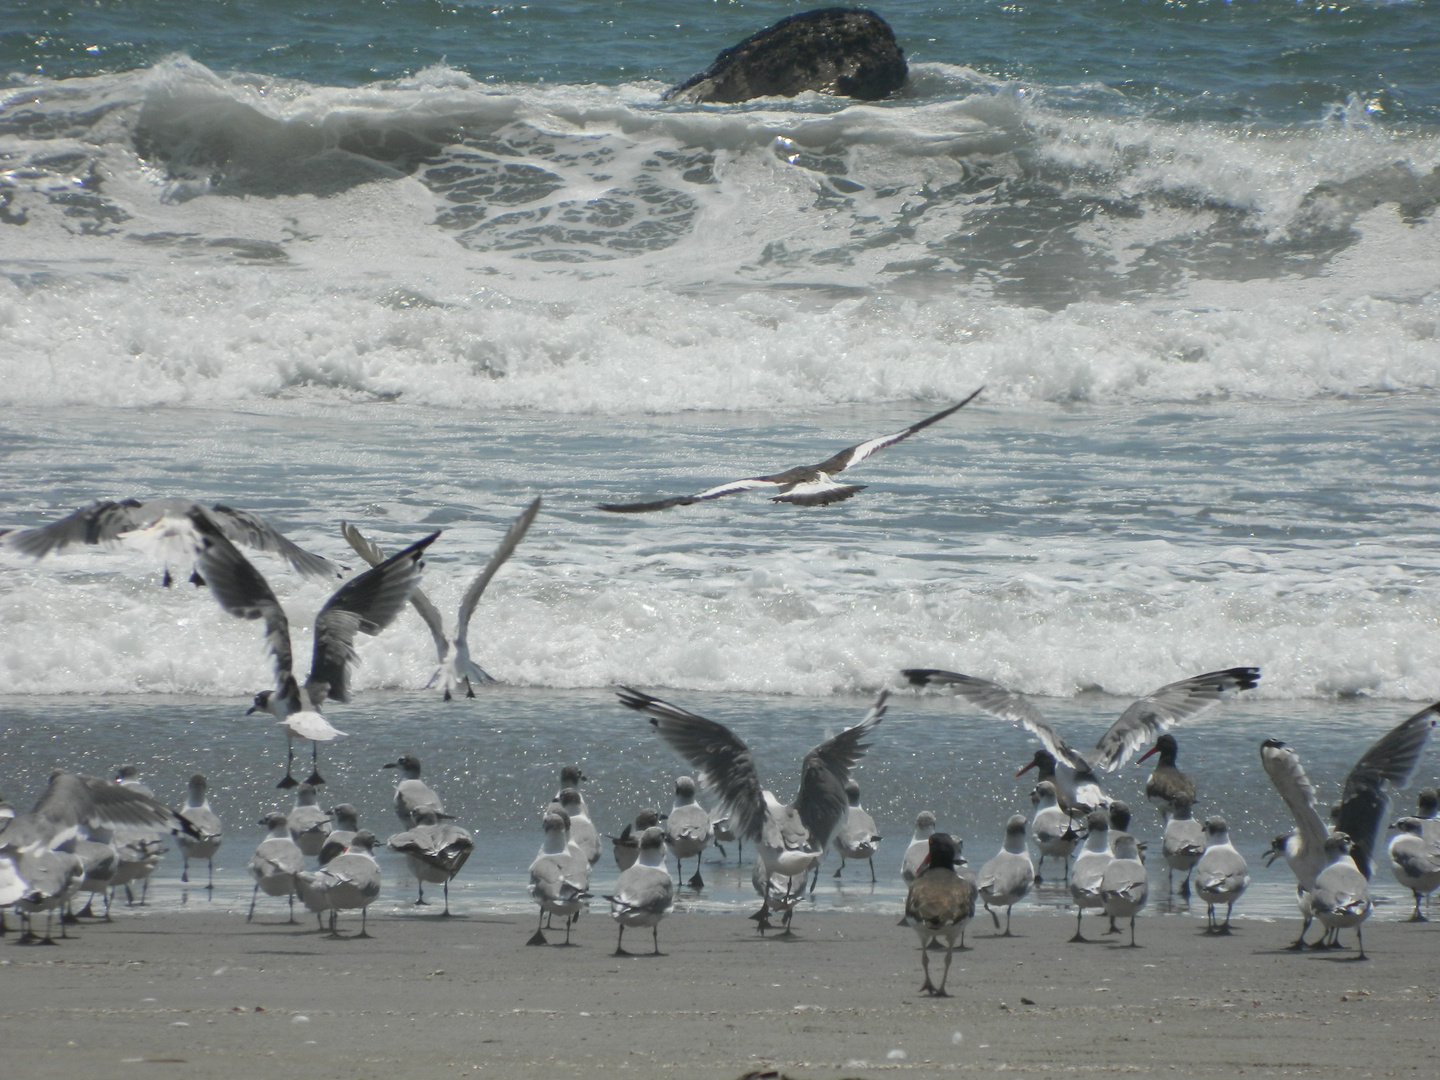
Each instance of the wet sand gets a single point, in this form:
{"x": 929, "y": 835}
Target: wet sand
{"x": 207, "y": 995}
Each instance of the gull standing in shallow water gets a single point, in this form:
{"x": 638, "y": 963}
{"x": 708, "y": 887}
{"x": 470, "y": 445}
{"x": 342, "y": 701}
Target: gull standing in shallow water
{"x": 456, "y": 668}
{"x": 1414, "y": 861}
{"x": 559, "y": 876}
{"x": 857, "y": 838}
{"x": 627, "y": 845}
{"x": 1182, "y": 845}
{"x": 1088, "y": 873}
{"x": 1124, "y": 887}
{"x": 1052, "y": 829}
{"x": 687, "y": 829}
{"x": 939, "y": 904}
{"x": 206, "y": 824}
{"x": 1220, "y": 875}
{"x": 434, "y": 852}
{"x": 275, "y": 863}
{"x": 309, "y": 825}
{"x": 367, "y": 603}
{"x": 804, "y": 485}
{"x": 166, "y": 527}
{"x": 645, "y": 893}
{"x": 1005, "y": 879}
{"x": 412, "y": 795}
{"x": 350, "y": 880}
{"x": 790, "y": 839}
{"x": 919, "y": 847}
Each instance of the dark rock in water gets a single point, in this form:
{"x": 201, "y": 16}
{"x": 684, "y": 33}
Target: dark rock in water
{"x": 846, "y": 51}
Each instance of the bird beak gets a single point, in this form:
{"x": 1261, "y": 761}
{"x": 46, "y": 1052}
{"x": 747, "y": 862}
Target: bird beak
{"x": 391, "y": 765}
{"x": 251, "y": 709}
{"x": 1026, "y": 769}
{"x": 1154, "y": 749}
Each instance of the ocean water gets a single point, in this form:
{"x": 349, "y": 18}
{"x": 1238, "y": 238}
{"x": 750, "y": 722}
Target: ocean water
{"x": 413, "y": 264}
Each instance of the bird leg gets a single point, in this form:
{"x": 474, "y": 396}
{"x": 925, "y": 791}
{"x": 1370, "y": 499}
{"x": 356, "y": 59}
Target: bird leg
{"x": 421, "y": 899}
{"x": 1185, "y": 885}
{"x": 620, "y": 943}
{"x": 469, "y": 690}
{"x": 837, "y": 872}
{"x": 289, "y": 781}
{"x": 655, "y": 936}
{"x": 1008, "y": 912}
{"x": 993, "y": 915}
{"x": 1360, "y": 943}
{"x": 538, "y": 938}
{"x": 945, "y": 972}
{"x": 253, "y": 897}
{"x": 1132, "y": 933}
{"x": 696, "y": 882}
{"x": 364, "y": 913}
{"x": 1038, "y": 867}
{"x": 315, "y": 778}
{"x": 1417, "y": 917}
{"x": 446, "y": 886}
{"x": 1079, "y": 914}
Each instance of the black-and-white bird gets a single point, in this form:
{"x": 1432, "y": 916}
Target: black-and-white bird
{"x": 435, "y": 851}
{"x": 857, "y": 838}
{"x": 453, "y": 651}
{"x": 1005, "y": 879}
{"x": 645, "y": 893}
{"x": 1221, "y": 875}
{"x": 203, "y": 819}
{"x": 804, "y": 485}
{"x": 413, "y": 795}
{"x": 1138, "y": 725}
{"x": 790, "y": 839}
{"x": 166, "y": 527}
{"x": 939, "y": 904}
{"x": 367, "y": 603}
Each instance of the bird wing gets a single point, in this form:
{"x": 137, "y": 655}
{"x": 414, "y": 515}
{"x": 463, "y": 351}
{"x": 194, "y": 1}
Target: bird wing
{"x": 818, "y": 493}
{"x": 242, "y": 591}
{"x": 373, "y": 554}
{"x": 1172, "y": 704}
{"x": 853, "y": 455}
{"x": 1282, "y": 765}
{"x": 508, "y": 543}
{"x": 99, "y": 523}
{"x": 822, "y": 803}
{"x": 721, "y": 761}
{"x": 1004, "y": 705}
{"x": 748, "y": 484}
{"x": 254, "y": 531}
{"x": 1393, "y": 758}
{"x": 367, "y": 603}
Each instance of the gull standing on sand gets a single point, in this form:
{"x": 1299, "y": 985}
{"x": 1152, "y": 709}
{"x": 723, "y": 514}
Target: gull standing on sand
{"x": 1052, "y": 829}
{"x": 687, "y": 829}
{"x": 50, "y": 878}
{"x": 1183, "y": 844}
{"x": 1145, "y": 719}
{"x": 456, "y": 668}
{"x": 803, "y": 485}
{"x": 167, "y": 528}
{"x": 1088, "y": 873}
{"x": 367, "y": 603}
{"x": 434, "y": 852}
{"x": 791, "y": 839}
{"x": 1220, "y": 875}
{"x": 350, "y": 880}
{"x": 275, "y": 863}
{"x": 345, "y": 823}
{"x": 1414, "y": 861}
{"x": 939, "y": 904}
{"x": 559, "y": 876}
{"x": 1006, "y": 879}
{"x": 627, "y": 845}
{"x": 411, "y": 793}
{"x": 206, "y": 823}
{"x": 1342, "y": 895}
{"x": 919, "y": 848}
{"x": 857, "y": 838}
{"x": 1124, "y": 887}
{"x": 309, "y": 825}
{"x": 645, "y": 893}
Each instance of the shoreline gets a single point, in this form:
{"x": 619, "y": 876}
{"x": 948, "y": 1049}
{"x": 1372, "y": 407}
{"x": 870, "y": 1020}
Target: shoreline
{"x": 433, "y": 997}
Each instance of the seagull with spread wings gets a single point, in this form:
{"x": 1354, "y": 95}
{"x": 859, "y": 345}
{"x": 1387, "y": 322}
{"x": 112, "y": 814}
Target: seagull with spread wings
{"x": 1142, "y": 722}
{"x": 804, "y": 485}
{"x": 367, "y": 603}
{"x": 792, "y": 839}
{"x": 165, "y": 527}
{"x": 456, "y": 667}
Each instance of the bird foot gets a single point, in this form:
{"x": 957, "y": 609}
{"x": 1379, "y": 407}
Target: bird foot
{"x": 696, "y": 882}
{"x": 538, "y": 938}
{"x": 315, "y": 779}
{"x": 422, "y": 901}
{"x": 1080, "y": 938}
{"x": 288, "y": 782}
{"x": 1417, "y": 917}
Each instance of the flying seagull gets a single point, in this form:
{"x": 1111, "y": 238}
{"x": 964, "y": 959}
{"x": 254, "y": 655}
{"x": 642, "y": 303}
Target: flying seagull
{"x": 804, "y": 485}
{"x": 456, "y": 668}
{"x": 166, "y": 527}
{"x": 367, "y": 603}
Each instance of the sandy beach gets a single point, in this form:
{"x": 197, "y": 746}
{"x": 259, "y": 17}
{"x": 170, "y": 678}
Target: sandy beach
{"x": 208, "y": 995}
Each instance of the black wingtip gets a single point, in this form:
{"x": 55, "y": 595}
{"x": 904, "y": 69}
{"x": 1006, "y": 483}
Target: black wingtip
{"x": 918, "y": 676}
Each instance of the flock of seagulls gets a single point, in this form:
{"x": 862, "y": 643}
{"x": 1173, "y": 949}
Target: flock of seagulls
{"x": 87, "y": 834}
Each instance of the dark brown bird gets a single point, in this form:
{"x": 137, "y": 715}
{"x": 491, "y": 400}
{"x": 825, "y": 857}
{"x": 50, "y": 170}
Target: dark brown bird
{"x": 1167, "y": 784}
{"x": 939, "y": 905}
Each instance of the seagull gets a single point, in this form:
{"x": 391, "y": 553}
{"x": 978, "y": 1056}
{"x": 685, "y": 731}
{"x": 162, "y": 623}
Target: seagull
{"x": 73, "y": 803}
{"x": 857, "y": 838}
{"x": 1123, "y": 886}
{"x": 275, "y": 863}
{"x": 129, "y": 776}
{"x": 582, "y": 830}
{"x": 309, "y": 825}
{"x": 559, "y": 876}
{"x": 456, "y": 668}
{"x": 939, "y": 904}
{"x": 139, "y": 858}
{"x": 1088, "y": 873}
{"x": 1005, "y": 879}
{"x": 1342, "y": 895}
{"x": 779, "y": 894}
{"x": 1182, "y": 844}
{"x": 627, "y": 844}
{"x": 100, "y": 862}
{"x": 412, "y": 795}
{"x": 1220, "y": 875}
{"x": 804, "y": 485}
{"x": 790, "y": 839}
{"x": 687, "y": 829}
{"x": 50, "y": 878}
{"x": 206, "y": 824}
{"x": 345, "y": 823}
{"x": 1414, "y": 861}
{"x": 1427, "y": 803}
{"x": 434, "y": 852}
{"x": 1167, "y": 783}
{"x": 919, "y": 847}
{"x": 1052, "y": 829}
{"x": 367, "y": 603}
{"x": 351, "y": 880}
{"x": 645, "y": 893}
{"x": 166, "y": 526}
{"x": 1144, "y": 720}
